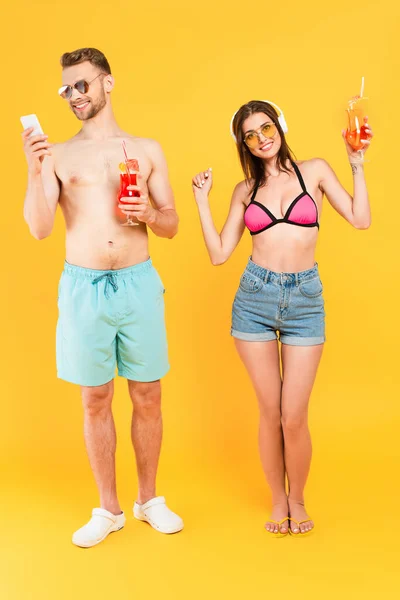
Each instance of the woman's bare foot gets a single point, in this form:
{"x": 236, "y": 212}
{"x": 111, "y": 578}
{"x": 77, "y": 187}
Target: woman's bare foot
{"x": 299, "y": 513}
{"x": 279, "y": 512}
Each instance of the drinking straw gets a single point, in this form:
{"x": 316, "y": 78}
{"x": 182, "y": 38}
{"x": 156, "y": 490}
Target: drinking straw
{"x": 126, "y": 161}
{"x": 362, "y": 87}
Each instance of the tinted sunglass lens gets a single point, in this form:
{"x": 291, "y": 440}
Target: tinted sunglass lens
{"x": 268, "y": 130}
{"x": 65, "y": 92}
{"x": 82, "y": 86}
{"x": 252, "y": 140}
{"x": 249, "y": 140}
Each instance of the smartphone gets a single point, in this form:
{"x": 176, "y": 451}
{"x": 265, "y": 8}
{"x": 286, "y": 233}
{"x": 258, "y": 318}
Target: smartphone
{"x": 32, "y": 121}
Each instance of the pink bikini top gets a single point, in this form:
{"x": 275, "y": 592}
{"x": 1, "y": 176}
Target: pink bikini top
{"x": 303, "y": 211}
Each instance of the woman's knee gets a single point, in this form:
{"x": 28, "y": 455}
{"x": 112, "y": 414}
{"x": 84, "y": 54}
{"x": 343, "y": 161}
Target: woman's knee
{"x": 294, "y": 423}
{"x": 270, "y": 411}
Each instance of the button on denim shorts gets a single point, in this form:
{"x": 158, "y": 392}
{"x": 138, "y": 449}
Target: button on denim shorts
{"x": 288, "y": 305}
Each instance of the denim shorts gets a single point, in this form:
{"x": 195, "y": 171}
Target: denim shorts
{"x": 288, "y": 304}
{"x": 109, "y": 319}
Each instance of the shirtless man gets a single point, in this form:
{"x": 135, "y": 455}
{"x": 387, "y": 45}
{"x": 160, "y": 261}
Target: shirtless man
{"x": 111, "y": 302}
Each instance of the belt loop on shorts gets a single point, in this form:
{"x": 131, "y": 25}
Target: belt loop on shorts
{"x": 266, "y": 276}
{"x": 296, "y": 279}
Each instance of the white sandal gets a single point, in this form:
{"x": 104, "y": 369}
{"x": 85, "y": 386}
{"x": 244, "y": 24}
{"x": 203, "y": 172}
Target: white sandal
{"x": 97, "y": 529}
{"x": 158, "y": 515}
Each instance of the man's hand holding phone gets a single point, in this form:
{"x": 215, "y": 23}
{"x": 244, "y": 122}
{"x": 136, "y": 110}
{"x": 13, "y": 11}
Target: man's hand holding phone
{"x": 36, "y": 145}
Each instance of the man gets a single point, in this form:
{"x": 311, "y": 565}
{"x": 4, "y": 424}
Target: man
{"x": 111, "y": 303}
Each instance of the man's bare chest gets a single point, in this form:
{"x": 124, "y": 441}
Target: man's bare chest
{"x": 93, "y": 166}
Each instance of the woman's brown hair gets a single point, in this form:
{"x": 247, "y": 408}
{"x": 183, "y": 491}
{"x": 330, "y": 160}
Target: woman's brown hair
{"x": 253, "y": 167}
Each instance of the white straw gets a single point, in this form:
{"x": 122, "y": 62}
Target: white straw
{"x": 126, "y": 161}
{"x": 362, "y": 87}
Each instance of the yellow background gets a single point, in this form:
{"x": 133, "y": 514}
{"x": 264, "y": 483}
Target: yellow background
{"x": 181, "y": 70}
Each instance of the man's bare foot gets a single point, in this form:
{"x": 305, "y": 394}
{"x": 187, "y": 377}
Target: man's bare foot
{"x": 279, "y": 512}
{"x": 299, "y": 513}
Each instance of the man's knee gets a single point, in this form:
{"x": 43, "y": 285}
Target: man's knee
{"x": 146, "y": 398}
{"x": 97, "y": 399}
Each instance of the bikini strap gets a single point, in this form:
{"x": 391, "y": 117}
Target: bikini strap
{"x": 254, "y": 194}
{"x": 299, "y": 177}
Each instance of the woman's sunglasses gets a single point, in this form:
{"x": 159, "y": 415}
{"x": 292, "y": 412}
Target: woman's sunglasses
{"x": 82, "y": 86}
{"x": 252, "y": 138}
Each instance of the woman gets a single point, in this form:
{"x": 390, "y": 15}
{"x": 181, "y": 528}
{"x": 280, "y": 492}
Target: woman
{"x": 280, "y": 292}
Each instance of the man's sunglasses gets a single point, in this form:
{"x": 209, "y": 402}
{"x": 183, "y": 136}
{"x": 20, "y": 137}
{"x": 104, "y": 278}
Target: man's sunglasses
{"x": 82, "y": 86}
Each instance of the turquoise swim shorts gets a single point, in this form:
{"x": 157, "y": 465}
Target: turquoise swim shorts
{"x": 110, "y": 319}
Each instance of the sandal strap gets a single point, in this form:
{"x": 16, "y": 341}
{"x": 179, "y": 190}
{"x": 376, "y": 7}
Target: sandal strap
{"x": 305, "y": 521}
{"x": 279, "y": 522}
{"x": 300, "y": 522}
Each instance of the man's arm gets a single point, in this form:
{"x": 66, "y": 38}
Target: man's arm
{"x": 43, "y": 189}
{"x": 160, "y": 215}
